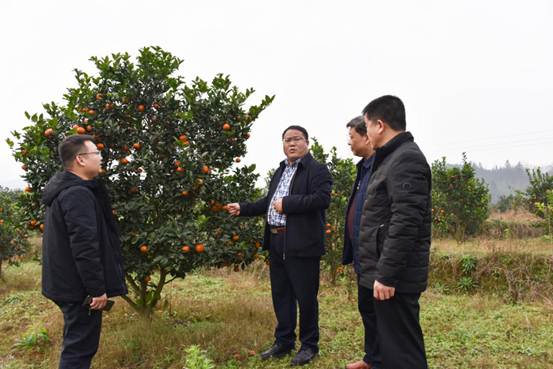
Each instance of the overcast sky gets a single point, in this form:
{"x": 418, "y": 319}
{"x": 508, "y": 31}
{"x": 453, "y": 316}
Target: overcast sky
{"x": 475, "y": 76}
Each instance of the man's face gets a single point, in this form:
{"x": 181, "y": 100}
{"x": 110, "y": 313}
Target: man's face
{"x": 375, "y": 129}
{"x": 359, "y": 143}
{"x": 295, "y": 145}
{"x": 90, "y": 159}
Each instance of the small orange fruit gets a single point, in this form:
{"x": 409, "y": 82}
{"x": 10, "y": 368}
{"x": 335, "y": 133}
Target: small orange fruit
{"x": 199, "y": 248}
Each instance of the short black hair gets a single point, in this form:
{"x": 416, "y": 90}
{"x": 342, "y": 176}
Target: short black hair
{"x": 298, "y": 128}
{"x": 70, "y": 147}
{"x": 389, "y": 109}
{"x": 358, "y": 123}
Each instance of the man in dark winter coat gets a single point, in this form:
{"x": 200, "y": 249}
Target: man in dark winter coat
{"x": 394, "y": 238}
{"x": 294, "y": 211}
{"x": 81, "y": 256}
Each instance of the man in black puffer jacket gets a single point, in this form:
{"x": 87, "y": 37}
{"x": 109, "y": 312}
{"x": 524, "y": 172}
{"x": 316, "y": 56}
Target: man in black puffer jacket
{"x": 394, "y": 237}
{"x": 81, "y": 253}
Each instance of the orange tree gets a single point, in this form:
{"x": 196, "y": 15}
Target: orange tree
{"x": 13, "y": 232}
{"x": 343, "y": 176}
{"x": 169, "y": 149}
{"x": 460, "y": 201}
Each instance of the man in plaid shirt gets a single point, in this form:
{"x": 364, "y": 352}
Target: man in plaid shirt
{"x": 294, "y": 208}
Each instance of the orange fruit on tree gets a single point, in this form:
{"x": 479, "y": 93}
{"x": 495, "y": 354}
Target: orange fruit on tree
{"x": 28, "y": 189}
{"x": 144, "y": 248}
{"x": 137, "y": 146}
{"x": 91, "y": 112}
{"x": 80, "y": 130}
{"x": 124, "y": 161}
{"x": 186, "y": 248}
{"x": 328, "y": 231}
{"x": 183, "y": 138}
{"x": 328, "y": 225}
{"x": 257, "y": 244}
{"x": 42, "y": 227}
{"x": 235, "y": 237}
{"x": 48, "y": 132}
{"x": 200, "y": 247}
{"x": 140, "y": 108}
{"x": 177, "y": 163}
{"x": 226, "y": 126}
{"x": 108, "y": 106}
{"x": 33, "y": 222}
{"x": 180, "y": 169}
{"x": 99, "y": 96}
{"x": 100, "y": 146}
{"x": 237, "y": 160}
{"x": 185, "y": 193}
{"x": 89, "y": 128}
{"x": 205, "y": 169}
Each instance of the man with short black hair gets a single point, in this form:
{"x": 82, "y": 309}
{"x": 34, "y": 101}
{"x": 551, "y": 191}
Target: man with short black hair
{"x": 394, "y": 237}
{"x": 294, "y": 211}
{"x": 81, "y": 255}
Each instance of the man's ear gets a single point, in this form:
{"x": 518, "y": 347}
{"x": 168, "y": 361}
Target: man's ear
{"x": 79, "y": 161}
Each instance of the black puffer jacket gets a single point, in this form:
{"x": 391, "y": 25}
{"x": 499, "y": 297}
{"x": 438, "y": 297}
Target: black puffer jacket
{"x": 395, "y": 228}
{"x": 81, "y": 251}
{"x": 304, "y": 208}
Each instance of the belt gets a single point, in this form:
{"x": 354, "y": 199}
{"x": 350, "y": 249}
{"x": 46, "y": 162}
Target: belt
{"x": 277, "y": 230}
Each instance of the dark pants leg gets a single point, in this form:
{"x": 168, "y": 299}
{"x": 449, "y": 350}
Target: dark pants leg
{"x": 295, "y": 281}
{"x": 365, "y": 303}
{"x": 400, "y": 338}
{"x": 81, "y": 335}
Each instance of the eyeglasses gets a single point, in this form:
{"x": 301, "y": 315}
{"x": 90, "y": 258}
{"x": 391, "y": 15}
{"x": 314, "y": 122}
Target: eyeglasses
{"x": 91, "y": 152}
{"x": 292, "y": 139}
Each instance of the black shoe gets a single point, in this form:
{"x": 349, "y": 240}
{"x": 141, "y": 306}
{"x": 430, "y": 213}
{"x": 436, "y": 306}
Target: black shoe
{"x": 303, "y": 356}
{"x": 277, "y": 350}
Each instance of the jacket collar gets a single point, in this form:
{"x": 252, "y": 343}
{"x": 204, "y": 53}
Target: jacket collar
{"x": 391, "y": 146}
{"x": 305, "y": 160}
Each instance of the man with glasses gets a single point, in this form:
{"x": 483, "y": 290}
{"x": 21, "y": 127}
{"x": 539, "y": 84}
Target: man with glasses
{"x": 81, "y": 252}
{"x": 294, "y": 210}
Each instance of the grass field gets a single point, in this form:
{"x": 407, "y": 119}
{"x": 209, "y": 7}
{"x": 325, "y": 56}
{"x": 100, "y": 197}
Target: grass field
{"x": 229, "y": 315}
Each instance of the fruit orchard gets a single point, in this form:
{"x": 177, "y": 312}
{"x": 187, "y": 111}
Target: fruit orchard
{"x": 170, "y": 150}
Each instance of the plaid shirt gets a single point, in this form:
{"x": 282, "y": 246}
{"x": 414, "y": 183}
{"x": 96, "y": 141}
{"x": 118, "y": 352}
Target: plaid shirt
{"x": 283, "y": 189}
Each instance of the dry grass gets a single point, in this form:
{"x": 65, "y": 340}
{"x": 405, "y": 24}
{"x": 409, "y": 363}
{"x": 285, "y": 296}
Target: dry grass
{"x": 230, "y": 315}
{"x": 539, "y": 246}
{"x": 515, "y": 216}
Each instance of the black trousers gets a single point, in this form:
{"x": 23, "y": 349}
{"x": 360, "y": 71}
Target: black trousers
{"x": 81, "y": 335}
{"x": 393, "y": 335}
{"x": 294, "y": 282}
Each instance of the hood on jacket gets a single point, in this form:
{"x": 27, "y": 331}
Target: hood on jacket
{"x": 62, "y": 180}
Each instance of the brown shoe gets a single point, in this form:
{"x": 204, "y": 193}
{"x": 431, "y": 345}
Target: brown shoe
{"x": 358, "y": 365}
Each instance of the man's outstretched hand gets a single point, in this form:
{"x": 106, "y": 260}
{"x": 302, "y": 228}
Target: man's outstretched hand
{"x": 233, "y": 208}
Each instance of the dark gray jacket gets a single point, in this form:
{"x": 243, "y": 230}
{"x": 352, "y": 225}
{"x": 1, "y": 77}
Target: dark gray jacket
{"x": 396, "y": 222}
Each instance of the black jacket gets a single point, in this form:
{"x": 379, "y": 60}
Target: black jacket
{"x": 304, "y": 207}
{"x": 347, "y": 252}
{"x": 396, "y": 221}
{"x": 81, "y": 251}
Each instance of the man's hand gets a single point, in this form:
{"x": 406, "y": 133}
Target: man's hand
{"x": 233, "y": 208}
{"x": 99, "y": 302}
{"x": 277, "y": 205}
{"x": 382, "y": 292}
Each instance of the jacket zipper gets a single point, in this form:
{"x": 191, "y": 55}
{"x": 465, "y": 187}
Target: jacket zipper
{"x": 286, "y": 233}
